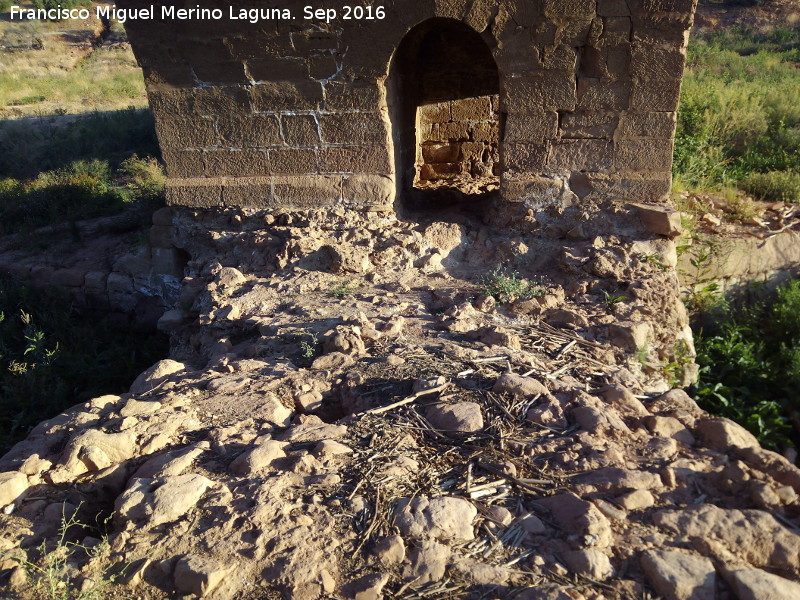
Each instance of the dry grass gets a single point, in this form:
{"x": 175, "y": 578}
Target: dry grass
{"x": 53, "y": 68}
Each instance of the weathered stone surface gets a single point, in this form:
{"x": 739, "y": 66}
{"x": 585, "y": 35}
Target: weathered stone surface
{"x": 368, "y": 587}
{"x": 161, "y": 500}
{"x": 754, "y": 584}
{"x": 12, "y": 487}
{"x": 678, "y": 575}
{"x": 436, "y": 518}
{"x": 660, "y": 220}
{"x": 518, "y": 385}
{"x": 590, "y": 562}
{"x": 724, "y": 435}
{"x": 198, "y": 575}
{"x": 579, "y": 517}
{"x": 259, "y": 458}
{"x": 459, "y": 417}
{"x": 755, "y": 535}
{"x": 155, "y": 375}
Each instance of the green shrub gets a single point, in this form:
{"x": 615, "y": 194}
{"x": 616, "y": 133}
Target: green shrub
{"x": 52, "y": 357}
{"x": 83, "y": 190}
{"x": 738, "y": 113}
{"x": 5, "y": 5}
{"x": 54, "y": 4}
{"x": 144, "y": 177}
{"x": 750, "y": 366}
{"x": 775, "y": 185}
{"x": 28, "y": 148}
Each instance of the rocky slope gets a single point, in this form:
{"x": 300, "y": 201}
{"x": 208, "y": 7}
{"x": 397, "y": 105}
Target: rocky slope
{"x": 348, "y": 414}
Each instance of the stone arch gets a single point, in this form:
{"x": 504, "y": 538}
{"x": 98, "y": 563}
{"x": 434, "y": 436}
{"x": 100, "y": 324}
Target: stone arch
{"x": 441, "y": 66}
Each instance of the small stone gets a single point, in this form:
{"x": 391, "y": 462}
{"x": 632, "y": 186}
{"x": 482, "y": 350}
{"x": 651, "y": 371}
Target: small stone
{"x": 155, "y": 375}
{"x": 636, "y": 500}
{"x": 660, "y": 220}
{"x": 259, "y": 458}
{"x": 18, "y": 579}
{"x": 420, "y": 385}
{"x": 427, "y": 562}
{"x": 579, "y": 517}
{"x": 308, "y": 402}
{"x": 485, "y": 303}
{"x": 440, "y": 518}
{"x": 589, "y": 562}
{"x": 628, "y": 335}
{"x": 624, "y": 401}
{"x": 669, "y": 427}
{"x": 724, "y": 435}
{"x": 501, "y": 515}
{"x": 161, "y": 500}
{"x": 518, "y": 385}
{"x": 563, "y": 318}
{"x": 394, "y": 361}
{"x": 390, "y": 550}
{"x": 786, "y": 494}
{"x": 198, "y": 576}
{"x": 458, "y": 417}
{"x": 679, "y": 576}
{"x": 12, "y": 486}
{"x": 754, "y": 584}
{"x": 333, "y": 361}
{"x": 368, "y": 587}
{"x": 94, "y": 458}
{"x": 331, "y": 448}
{"x": 532, "y": 524}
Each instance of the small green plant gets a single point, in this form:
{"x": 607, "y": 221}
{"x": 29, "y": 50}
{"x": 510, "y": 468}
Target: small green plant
{"x": 505, "y": 285}
{"x": 611, "y": 301}
{"x": 49, "y": 575}
{"x": 309, "y": 344}
{"x": 705, "y": 298}
{"x": 344, "y": 288}
{"x": 52, "y": 357}
{"x": 774, "y": 185}
{"x": 642, "y": 355}
{"x": 653, "y": 260}
{"x": 675, "y": 369}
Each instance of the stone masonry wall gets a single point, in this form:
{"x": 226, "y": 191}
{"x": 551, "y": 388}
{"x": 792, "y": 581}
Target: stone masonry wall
{"x": 296, "y": 113}
{"x": 459, "y": 137}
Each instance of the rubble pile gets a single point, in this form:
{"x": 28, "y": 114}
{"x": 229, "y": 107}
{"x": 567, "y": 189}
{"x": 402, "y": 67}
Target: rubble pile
{"x": 351, "y": 410}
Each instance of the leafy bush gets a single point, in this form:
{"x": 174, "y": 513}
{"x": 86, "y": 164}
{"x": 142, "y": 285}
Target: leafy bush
{"x": 54, "y": 4}
{"x": 750, "y": 366}
{"x": 5, "y": 5}
{"x": 775, "y": 185}
{"x": 27, "y": 148}
{"x": 51, "y": 358}
{"x": 144, "y": 177}
{"x": 83, "y": 190}
{"x": 738, "y": 113}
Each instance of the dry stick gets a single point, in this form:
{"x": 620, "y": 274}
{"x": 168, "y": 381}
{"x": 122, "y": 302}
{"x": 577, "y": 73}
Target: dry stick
{"x": 520, "y": 482}
{"x": 404, "y": 401}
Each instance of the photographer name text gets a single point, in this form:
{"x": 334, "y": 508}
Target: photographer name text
{"x": 172, "y": 13}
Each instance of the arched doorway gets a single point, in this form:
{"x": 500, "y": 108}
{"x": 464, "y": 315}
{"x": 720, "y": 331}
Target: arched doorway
{"x": 443, "y": 93}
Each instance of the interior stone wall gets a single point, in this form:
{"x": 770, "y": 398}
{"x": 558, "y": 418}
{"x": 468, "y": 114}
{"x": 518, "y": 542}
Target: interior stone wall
{"x": 458, "y": 138}
{"x": 295, "y": 114}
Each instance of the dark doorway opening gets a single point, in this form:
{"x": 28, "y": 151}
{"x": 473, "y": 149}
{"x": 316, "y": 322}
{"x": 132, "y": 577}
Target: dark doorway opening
{"x": 444, "y": 100}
